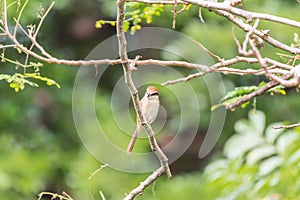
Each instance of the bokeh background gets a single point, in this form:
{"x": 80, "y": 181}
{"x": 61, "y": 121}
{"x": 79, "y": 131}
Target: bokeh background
{"x": 39, "y": 146}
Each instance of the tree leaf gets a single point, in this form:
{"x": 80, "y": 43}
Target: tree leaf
{"x": 269, "y": 165}
{"x": 272, "y": 134}
{"x": 239, "y": 144}
{"x": 285, "y": 140}
{"x": 294, "y": 158}
{"x": 259, "y": 153}
{"x": 257, "y": 120}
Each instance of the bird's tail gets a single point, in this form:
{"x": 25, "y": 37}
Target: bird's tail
{"x": 133, "y": 139}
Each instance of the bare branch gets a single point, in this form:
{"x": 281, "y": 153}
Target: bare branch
{"x": 221, "y": 68}
{"x": 171, "y": 2}
{"x": 149, "y": 180}
{"x": 134, "y": 93}
{"x": 19, "y": 17}
{"x": 248, "y": 15}
{"x": 174, "y": 14}
{"x": 223, "y": 6}
{"x": 263, "y": 35}
{"x": 34, "y": 42}
{"x": 286, "y": 126}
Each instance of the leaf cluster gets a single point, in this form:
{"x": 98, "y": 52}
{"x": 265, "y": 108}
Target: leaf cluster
{"x": 136, "y": 13}
{"x": 239, "y": 93}
{"x": 257, "y": 162}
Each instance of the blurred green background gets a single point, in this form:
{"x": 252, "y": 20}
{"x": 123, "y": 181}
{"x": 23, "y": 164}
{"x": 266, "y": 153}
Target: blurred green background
{"x": 40, "y": 148}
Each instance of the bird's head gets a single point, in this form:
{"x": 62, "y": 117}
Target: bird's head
{"x": 152, "y": 91}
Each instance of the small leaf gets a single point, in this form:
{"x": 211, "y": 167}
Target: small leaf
{"x": 19, "y": 50}
{"x": 277, "y": 89}
{"x": 238, "y": 91}
{"x": 259, "y": 153}
{"x": 258, "y": 121}
{"x": 261, "y": 84}
{"x": 294, "y": 158}
{"x": 113, "y": 23}
{"x": 272, "y": 134}
{"x": 216, "y": 169}
{"x": 239, "y": 144}
{"x": 269, "y": 165}
{"x": 126, "y": 26}
{"x": 98, "y": 25}
{"x": 285, "y": 140}
{"x": 188, "y": 7}
{"x": 132, "y": 30}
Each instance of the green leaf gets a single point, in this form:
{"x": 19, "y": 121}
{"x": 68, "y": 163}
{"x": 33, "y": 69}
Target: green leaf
{"x": 99, "y": 23}
{"x": 285, "y": 140}
{"x": 238, "y": 91}
{"x": 45, "y": 79}
{"x": 279, "y": 89}
{"x": 294, "y": 158}
{"x": 235, "y": 95}
{"x": 272, "y": 134}
{"x": 126, "y": 26}
{"x": 258, "y": 120}
{"x": 269, "y": 165}
{"x": 239, "y": 144}
{"x": 255, "y": 124}
{"x": 113, "y": 23}
{"x": 225, "y": 103}
{"x": 259, "y": 153}
{"x": 216, "y": 169}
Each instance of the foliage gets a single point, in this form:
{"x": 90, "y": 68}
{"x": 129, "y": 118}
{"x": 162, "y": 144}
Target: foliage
{"x": 240, "y": 92}
{"x": 258, "y": 162}
{"x": 134, "y": 16}
{"x": 30, "y": 70}
{"x": 17, "y": 81}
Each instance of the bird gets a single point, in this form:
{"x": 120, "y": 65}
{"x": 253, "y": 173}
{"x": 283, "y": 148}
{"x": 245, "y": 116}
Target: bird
{"x": 149, "y": 105}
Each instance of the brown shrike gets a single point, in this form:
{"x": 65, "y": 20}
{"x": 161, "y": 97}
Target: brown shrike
{"x": 149, "y": 106}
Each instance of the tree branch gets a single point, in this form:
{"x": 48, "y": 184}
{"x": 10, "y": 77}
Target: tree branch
{"x": 248, "y": 15}
{"x": 286, "y": 126}
{"x": 134, "y": 93}
{"x": 263, "y": 35}
{"x": 149, "y": 180}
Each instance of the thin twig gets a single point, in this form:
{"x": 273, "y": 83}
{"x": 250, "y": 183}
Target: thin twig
{"x": 286, "y": 126}
{"x": 150, "y": 179}
{"x": 221, "y": 68}
{"x": 19, "y": 17}
{"x": 248, "y": 15}
{"x": 260, "y": 33}
{"x": 37, "y": 31}
{"x": 97, "y": 170}
{"x": 174, "y": 14}
{"x": 208, "y": 51}
{"x": 171, "y": 2}
{"x": 7, "y": 46}
{"x": 34, "y": 43}
{"x": 102, "y": 195}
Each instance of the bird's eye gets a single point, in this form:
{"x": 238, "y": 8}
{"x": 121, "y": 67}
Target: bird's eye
{"x": 153, "y": 94}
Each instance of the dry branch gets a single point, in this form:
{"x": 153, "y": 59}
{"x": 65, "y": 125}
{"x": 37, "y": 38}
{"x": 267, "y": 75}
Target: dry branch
{"x": 149, "y": 180}
{"x": 134, "y": 93}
